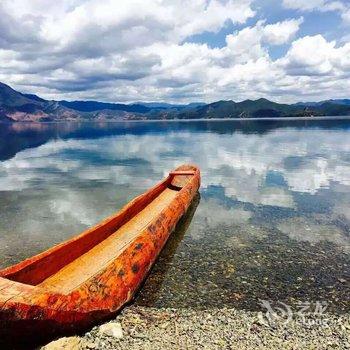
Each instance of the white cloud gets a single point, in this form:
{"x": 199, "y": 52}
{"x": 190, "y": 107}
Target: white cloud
{"x": 92, "y": 26}
{"x": 298, "y": 62}
{"x": 136, "y": 50}
{"x": 247, "y": 43}
{"x": 326, "y": 69}
{"x": 281, "y": 32}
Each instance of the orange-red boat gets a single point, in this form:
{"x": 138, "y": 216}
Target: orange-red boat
{"x": 91, "y": 276}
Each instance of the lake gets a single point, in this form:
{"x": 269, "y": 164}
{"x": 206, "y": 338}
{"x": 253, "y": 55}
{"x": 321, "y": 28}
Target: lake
{"x": 271, "y": 222}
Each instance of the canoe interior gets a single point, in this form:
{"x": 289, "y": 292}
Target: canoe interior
{"x": 68, "y": 265}
{"x": 96, "y": 259}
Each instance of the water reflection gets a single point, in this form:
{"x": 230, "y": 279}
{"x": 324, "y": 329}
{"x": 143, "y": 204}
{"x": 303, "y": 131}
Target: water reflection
{"x": 275, "y": 201}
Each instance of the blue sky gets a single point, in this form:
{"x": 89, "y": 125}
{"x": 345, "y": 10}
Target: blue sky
{"x": 177, "y": 51}
{"x": 329, "y": 24}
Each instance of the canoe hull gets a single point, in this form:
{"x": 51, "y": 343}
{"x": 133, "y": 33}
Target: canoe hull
{"x": 30, "y": 311}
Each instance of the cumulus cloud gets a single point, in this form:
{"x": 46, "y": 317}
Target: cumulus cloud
{"x": 281, "y": 32}
{"x": 327, "y": 59}
{"x": 136, "y": 50}
{"x": 247, "y": 43}
{"x": 297, "y": 62}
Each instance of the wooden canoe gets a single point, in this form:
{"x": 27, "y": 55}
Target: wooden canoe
{"x": 91, "y": 276}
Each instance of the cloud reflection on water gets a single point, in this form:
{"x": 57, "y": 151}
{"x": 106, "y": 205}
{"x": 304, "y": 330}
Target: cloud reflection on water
{"x": 235, "y": 161}
{"x": 82, "y": 180}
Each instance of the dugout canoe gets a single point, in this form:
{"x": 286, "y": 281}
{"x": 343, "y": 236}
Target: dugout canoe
{"x": 91, "y": 276}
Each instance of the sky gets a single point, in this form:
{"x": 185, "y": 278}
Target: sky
{"x": 176, "y": 51}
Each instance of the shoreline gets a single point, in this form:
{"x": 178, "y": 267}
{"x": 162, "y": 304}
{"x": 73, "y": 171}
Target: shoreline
{"x": 177, "y": 120}
{"x": 137, "y": 328}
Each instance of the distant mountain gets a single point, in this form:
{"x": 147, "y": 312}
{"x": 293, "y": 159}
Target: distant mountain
{"x": 163, "y": 105}
{"x": 34, "y": 97}
{"x": 342, "y": 102}
{"x": 261, "y": 108}
{"x": 139, "y": 107}
{"x": 93, "y": 106}
{"x": 18, "y": 107}
{"x": 15, "y": 106}
{"x": 11, "y": 97}
{"x": 337, "y": 102}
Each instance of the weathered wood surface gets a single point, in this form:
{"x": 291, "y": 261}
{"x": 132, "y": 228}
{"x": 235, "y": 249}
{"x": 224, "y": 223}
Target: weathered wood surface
{"x": 91, "y": 276}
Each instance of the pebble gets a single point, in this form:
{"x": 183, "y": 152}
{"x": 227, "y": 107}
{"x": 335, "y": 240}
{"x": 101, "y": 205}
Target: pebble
{"x": 214, "y": 328}
{"x": 111, "y": 329}
{"x": 66, "y": 343}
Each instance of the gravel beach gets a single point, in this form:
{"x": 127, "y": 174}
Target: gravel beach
{"x": 152, "y": 328}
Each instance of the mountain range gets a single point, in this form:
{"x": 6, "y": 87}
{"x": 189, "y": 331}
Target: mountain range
{"x": 18, "y": 107}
